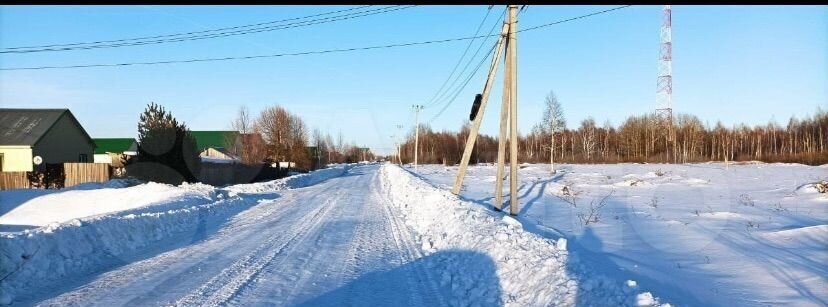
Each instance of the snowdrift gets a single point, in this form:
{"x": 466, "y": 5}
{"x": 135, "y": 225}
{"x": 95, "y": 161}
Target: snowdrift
{"x": 42, "y": 207}
{"x": 532, "y": 270}
{"x": 292, "y": 182}
{"x": 37, "y": 258}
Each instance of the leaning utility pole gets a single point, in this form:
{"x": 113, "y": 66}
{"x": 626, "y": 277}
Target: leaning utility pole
{"x": 507, "y": 44}
{"x": 417, "y": 109}
{"x": 478, "y": 119}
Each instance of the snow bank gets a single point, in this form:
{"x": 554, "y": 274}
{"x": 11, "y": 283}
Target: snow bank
{"x": 40, "y": 209}
{"x": 35, "y": 258}
{"x": 531, "y": 270}
{"x": 292, "y": 182}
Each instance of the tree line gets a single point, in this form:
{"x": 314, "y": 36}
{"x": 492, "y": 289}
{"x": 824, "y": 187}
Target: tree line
{"x": 168, "y": 152}
{"x": 276, "y": 134}
{"x": 639, "y": 138}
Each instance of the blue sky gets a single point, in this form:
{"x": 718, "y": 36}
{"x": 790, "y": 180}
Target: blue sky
{"x": 731, "y": 63}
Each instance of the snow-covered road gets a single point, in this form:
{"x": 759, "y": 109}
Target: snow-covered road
{"x": 365, "y": 235}
{"x": 333, "y": 243}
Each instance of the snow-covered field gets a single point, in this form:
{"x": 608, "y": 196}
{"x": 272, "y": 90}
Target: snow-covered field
{"x": 506, "y": 263}
{"x": 365, "y": 234}
{"x": 696, "y": 234}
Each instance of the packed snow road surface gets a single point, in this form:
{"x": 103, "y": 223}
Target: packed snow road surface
{"x": 311, "y": 246}
{"x": 363, "y": 235}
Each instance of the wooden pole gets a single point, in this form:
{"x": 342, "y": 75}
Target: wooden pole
{"x": 399, "y": 154}
{"x": 504, "y": 124}
{"x": 417, "y": 109}
{"x": 513, "y": 140}
{"x": 478, "y": 119}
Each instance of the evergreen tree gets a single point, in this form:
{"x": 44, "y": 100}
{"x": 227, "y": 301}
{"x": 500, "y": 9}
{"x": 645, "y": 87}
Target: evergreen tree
{"x": 167, "y": 152}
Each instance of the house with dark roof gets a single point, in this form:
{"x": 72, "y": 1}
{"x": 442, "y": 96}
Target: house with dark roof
{"x": 35, "y": 136}
{"x": 111, "y": 150}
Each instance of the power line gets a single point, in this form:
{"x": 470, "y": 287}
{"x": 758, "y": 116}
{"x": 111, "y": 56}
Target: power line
{"x": 441, "y": 98}
{"x": 241, "y": 57}
{"x": 573, "y": 18}
{"x": 459, "y": 90}
{"x": 224, "y": 34}
{"x": 295, "y": 53}
{"x": 187, "y": 33}
{"x": 460, "y": 60}
{"x": 463, "y": 85}
{"x": 457, "y": 93}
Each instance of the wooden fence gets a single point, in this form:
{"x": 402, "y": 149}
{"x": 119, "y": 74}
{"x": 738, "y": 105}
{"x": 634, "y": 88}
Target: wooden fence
{"x": 225, "y": 173}
{"x": 14, "y": 180}
{"x": 77, "y": 173}
{"x": 71, "y": 173}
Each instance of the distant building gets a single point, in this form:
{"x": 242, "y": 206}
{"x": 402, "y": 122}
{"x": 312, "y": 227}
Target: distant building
{"x": 215, "y": 146}
{"x": 28, "y": 136}
{"x": 110, "y": 150}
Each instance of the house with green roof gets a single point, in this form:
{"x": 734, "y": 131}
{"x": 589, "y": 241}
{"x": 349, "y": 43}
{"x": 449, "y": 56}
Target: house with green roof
{"x": 110, "y": 150}
{"x": 217, "y": 145}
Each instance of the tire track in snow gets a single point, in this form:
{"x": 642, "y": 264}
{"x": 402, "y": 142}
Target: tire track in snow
{"x": 229, "y": 281}
{"x": 279, "y": 284}
{"x": 405, "y": 243}
{"x": 111, "y": 285}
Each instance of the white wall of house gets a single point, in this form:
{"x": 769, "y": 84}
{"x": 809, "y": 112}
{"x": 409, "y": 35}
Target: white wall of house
{"x": 16, "y": 158}
{"x": 213, "y": 153}
{"x": 103, "y": 158}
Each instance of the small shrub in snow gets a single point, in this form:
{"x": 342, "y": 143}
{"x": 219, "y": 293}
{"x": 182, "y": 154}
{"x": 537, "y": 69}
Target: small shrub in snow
{"x": 593, "y": 215}
{"x": 745, "y": 200}
{"x": 635, "y": 182}
{"x": 569, "y": 195}
{"x": 659, "y": 172}
{"x": 654, "y": 202}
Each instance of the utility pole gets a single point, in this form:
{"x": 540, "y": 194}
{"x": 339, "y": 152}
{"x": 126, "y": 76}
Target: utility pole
{"x": 513, "y": 150}
{"x": 417, "y": 109}
{"x": 504, "y": 124}
{"x": 478, "y": 119}
{"x": 399, "y": 145}
{"x": 508, "y": 117}
{"x": 395, "y": 148}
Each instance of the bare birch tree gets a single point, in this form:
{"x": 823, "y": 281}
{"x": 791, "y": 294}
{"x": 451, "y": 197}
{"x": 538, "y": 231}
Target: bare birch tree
{"x": 554, "y": 122}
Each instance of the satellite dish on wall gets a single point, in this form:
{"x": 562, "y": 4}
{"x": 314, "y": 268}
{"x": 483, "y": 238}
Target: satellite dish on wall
{"x": 37, "y": 160}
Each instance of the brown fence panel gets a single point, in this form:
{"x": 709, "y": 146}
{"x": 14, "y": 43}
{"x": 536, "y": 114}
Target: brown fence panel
{"x": 224, "y": 173}
{"x": 14, "y": 180}
{"x": 77, "y": 173}
{"x": 217, "y": 173}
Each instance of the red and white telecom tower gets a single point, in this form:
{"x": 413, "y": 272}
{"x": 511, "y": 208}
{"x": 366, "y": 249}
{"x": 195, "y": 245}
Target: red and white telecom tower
{"x": 664, "y": 83}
